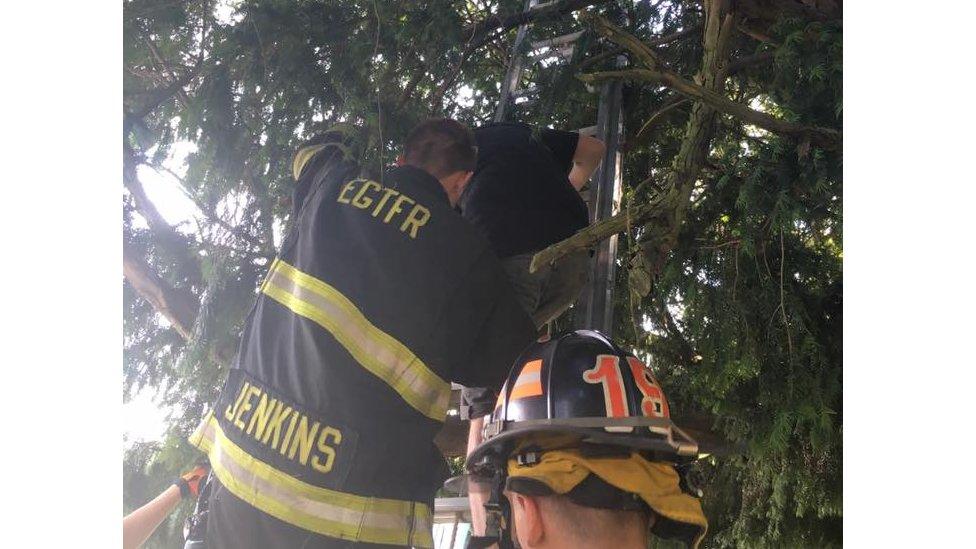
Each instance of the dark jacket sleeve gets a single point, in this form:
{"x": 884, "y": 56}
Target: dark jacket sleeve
{"x": 562, "y": 145}
{"x": 500, "y": 329}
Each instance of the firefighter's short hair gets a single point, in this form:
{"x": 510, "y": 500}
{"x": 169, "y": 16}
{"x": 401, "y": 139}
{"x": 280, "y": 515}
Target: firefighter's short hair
{"x": 441, "y": 146}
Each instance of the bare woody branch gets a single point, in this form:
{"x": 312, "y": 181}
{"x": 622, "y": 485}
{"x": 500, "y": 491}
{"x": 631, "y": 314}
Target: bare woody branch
{"x": 180, "y": 307}
{"x": 480, "y": 31}
{"x": 166, "y": 68}
{"x": 160, "y": 228}
{"x": 745, "y": 62}
{"x": 660, "y": 41}
{"x": 438, "y": 95}
{"x": 647, "y": 57}
{"x": 825, "y": 137}
{"x": 595, "y": 233}
{"x": 655, "y": 71}
{"x": 667, "y": 39}
{"x": 238, "y": 232}
{"x": 160, "y": 95}
{"x": 419, "y": 73}
{"x": 164, "y": 234}
{"x": 661, "y": 112}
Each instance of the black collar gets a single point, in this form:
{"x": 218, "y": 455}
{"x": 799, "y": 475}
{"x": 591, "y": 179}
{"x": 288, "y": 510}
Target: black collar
{"x": 417, "y": 177}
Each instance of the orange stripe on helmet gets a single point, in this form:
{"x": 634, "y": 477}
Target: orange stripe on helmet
{"x": 501, "y": 397}
{"x": 529, "y": 381}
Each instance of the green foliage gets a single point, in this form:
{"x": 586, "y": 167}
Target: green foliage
{"x": 755, "y": 289}
{"x": 743, "y": 319}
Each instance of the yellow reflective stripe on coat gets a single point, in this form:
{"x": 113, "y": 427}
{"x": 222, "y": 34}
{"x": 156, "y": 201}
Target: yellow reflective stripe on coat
{"x": 320, "y": 510}
{"x": 302, "y": 157}
{"x": 374, "y": 349}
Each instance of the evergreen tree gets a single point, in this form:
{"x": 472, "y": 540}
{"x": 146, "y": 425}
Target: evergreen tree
{"x": 729, "y": 265}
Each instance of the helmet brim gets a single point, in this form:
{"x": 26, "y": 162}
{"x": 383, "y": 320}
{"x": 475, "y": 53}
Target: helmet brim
{"x": 568, "y": 433}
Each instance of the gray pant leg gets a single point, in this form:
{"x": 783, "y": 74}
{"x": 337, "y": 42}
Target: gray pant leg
{"x": 562, "y": 287}
{"x": 528, "y": 286}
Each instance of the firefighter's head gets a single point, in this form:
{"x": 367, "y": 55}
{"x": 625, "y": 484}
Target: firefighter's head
{"x": 445, "y": 149}
{"x": 542, "y": 519}
{"x": 581, "y": 440}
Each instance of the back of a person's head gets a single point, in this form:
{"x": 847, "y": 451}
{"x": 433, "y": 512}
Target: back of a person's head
{"x": 594, "y": 527}
{"x": 441, "y": 147}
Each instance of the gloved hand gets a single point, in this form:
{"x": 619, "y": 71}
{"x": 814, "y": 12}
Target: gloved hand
{"x": 189, "y": 483}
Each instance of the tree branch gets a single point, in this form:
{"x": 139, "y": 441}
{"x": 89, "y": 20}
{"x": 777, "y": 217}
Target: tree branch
{"x": 585, "y": 239}
{"x": 655, "y": 71}
{"x": 687, "y": 165}
{"x": 660, "y": 112}
{"x": 164, "y": 233}
{"x": 480, "y": 30}
{"x": 745, "y": 62}
{"x": 756, "y": 34}
{"x": 659, "y": 41}
{"x": 687, "y": 352}
{"x": 166, "y": 69}
{"x": 211, "y": 215}
{"x": 438, "y": 95}
{"x": 419, "y": 72}
{"x": 145, "y": 206}
{"x": 180, "y": 307}
{"x": 647, "y": 57}
{"x": 702, "y": 426}
{"x": 667, "y": 39}
{"x": 824, "y": 137}
{"x": 160, "y": 95}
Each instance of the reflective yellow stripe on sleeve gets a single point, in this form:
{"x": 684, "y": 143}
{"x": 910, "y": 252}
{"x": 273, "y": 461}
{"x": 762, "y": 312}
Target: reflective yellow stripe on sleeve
{"x": 302, "y": 157}
{"x": 373, "y": 349}
{"x": 320, "y": 510}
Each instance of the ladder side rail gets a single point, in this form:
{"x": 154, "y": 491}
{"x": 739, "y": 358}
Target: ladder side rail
{"x": 596, "y": 299}
{"x": 514, "y": 72}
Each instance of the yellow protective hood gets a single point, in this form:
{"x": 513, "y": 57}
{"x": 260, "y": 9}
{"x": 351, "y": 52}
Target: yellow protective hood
{"x": 655, "y": 483}
{"x": 342, "y": 136}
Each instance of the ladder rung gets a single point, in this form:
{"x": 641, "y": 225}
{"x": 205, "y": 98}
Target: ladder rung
{"x": 542, "y": 5}
{"x": 524, "y": 92}
{"x": 563, "y": 53}
{"x": 451, "y": 505}
{"x": 557, "y": 41}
